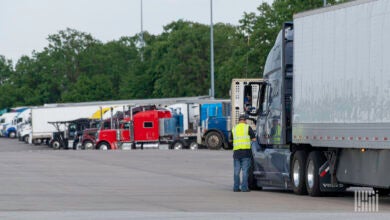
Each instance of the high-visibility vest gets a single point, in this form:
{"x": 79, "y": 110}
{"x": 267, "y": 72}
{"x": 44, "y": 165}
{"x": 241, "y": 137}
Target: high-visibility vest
{"x": 241, "y": 138}
{"x": 277, "y": 135}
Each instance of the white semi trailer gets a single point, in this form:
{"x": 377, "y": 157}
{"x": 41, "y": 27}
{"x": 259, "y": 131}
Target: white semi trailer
{"x": 324, "y": 122}
{"x": 42, "y": 130}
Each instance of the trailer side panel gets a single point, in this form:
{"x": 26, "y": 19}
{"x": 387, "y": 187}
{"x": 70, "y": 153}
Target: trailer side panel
{"x": 341, "y": 76}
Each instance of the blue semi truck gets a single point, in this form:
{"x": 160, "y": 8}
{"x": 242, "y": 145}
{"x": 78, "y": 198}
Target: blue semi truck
{"x": 199, "y": 120}
{"x": 216, "y": 125}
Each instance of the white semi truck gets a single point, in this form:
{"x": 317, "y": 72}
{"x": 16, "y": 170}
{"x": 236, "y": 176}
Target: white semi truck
{"x": 323, "y": 122}
{"x": 5, "y": 120}
{"x": 42, "y": 130}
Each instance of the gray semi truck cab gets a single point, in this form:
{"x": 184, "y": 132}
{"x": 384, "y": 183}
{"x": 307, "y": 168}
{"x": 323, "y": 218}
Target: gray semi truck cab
{"x": 277, "y": 161}
{"x": 323, "y": 118}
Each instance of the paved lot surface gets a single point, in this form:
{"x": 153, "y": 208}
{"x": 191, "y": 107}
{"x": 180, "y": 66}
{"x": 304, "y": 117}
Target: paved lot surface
{"x": 40, "y": 183}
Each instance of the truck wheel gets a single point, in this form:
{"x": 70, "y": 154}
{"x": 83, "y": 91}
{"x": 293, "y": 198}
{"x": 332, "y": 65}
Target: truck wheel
{"x": 213, "y": 140}
{"x": 37, "y": 141}
{"x": 55, "y": 145}
{"x": 194, "y": 145}
{"x": 12, "y": 134}
{"x": 298, "y": 173}
{"x": 313, "y": 164}
{"x": 177, "y": 145}
{"x": 25, "y": 139}
{"x": 87, "y": 145}
{"x": 103, "y": 146}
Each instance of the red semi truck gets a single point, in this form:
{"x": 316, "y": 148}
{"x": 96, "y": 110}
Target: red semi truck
{"x": 144, "y": 129}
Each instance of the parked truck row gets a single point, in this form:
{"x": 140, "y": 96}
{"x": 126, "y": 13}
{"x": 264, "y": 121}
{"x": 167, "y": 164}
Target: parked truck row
{"x": 174, "y": 123}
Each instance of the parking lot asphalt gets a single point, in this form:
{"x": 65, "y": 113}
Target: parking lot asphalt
{"x": 39, "y": 183}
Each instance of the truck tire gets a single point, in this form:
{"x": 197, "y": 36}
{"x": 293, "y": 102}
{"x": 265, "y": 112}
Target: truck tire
{"x": 25, "y": 138}
{"x": 298, "y": 172}
{"x": 55, "y": 145}
{"x": 103, "y": 146}
{"x": 37, "y": 141}
{"x": 313, "y": 163}
{"x": 12, "y": 134}
{"x": 213, "y": 140}
{"x": 87, "y": 145}
{"x": 177, "y": 145}
{"x": 194, "y": 145}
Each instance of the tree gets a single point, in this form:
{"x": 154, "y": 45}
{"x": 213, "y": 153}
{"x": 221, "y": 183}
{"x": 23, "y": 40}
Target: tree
{"x": 5, "y": 69}
{"x": 95, "y": 88}
{"x": 76, "y": 67}
{"x": 180, "y": 60}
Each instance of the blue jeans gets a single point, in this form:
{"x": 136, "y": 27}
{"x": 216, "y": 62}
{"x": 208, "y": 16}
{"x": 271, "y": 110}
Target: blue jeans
{"x": 244, "y": 164}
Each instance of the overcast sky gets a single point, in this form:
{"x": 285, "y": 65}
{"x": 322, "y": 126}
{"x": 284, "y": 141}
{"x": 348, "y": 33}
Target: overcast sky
{"x": 25, "y": 24}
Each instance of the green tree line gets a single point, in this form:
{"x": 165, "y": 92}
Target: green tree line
{"x": 76, "y": 67}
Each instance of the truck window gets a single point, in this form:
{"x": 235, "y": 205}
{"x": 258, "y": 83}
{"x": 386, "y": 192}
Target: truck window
{"x": 275, "y": 96}
{"x": 72, "y": 128}
{"x": 106, "y": 125}
{"x": 247, "y": 98}
{"x": 148, "y": 124}
{"x": 126, "y": 125}
{"x": 266, "y": 101}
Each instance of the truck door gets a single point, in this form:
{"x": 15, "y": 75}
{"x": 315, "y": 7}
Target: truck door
{"x": 259, "y": 150}
{"x": 263, "y": 128}
{"x": 273, "y": 155}
{"x": 278, "y": 157}
{"x": 270, "y": 159}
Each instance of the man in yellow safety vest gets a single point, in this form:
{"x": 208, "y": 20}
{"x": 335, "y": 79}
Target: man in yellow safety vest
{"x": 275, "y": 132}
{"x": 242, "y": 135}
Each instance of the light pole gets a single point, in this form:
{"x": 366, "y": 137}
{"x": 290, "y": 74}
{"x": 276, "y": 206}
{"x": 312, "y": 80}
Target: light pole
{"x": 325, "y": 3}
{"x": 142, "y": 33}
{"x": 212, "y": 50}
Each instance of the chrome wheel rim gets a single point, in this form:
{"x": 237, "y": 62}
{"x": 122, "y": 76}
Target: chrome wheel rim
{"x": 178, "y": 146}
{"x": 56, "y": 145}
{"x": 103, "y": 147}
{"x": 194, "y": 146}
{"x": 296, "y": 171}
{"x": 310, "y": 174}
{"x": 88, "y": 145}
{"x": 213, "y": 141}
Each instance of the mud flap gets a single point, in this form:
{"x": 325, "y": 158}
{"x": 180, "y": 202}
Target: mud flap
{"x": 326, "y": 184}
